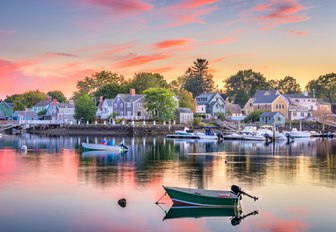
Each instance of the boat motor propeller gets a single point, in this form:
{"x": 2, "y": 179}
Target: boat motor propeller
{"x": 237, "y": 190}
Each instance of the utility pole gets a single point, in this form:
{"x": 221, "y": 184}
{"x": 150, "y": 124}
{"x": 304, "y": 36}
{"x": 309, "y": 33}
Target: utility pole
{"x": 313, "y": 93}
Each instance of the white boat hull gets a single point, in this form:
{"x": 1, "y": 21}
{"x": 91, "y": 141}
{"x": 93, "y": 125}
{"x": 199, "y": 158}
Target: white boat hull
{"x": 91, "y": 146}
{"x": 253, "y": 137}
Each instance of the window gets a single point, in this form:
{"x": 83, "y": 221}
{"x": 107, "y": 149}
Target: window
{"x": 265, "y": 106}
{"x": 258, "y": 106}
{"x": 121, "y": 105}
{"x": 283, "y": 106}
{"x": 302, "y": 114}
{"x": 115, "y": 105}
{"x": 276, "y": 106}
{"x": 139, "y": 105}
{"x": 129, "y": 105}
{"x": 294, "y": 114}
{"x": 118, "y": 99}
{"x": 129, "y": 113}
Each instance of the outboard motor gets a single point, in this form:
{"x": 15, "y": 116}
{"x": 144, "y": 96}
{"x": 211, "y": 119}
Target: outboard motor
{"x": 237, "y": 190}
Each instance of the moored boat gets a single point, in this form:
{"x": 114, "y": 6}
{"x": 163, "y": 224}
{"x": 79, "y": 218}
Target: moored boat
{"x": 299, "y": 134}
{"x": 206, "y": 198}
{"x": 116, "y": 148}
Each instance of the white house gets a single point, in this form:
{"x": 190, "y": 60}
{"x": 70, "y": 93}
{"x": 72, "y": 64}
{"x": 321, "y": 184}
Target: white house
{"x": 105, "y": 108}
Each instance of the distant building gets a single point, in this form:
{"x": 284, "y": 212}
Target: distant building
{"x": 184, "y": 115}
{"x": 130, "y": 106}
{"x": 42, "y": 105}
{"x": 272, "y": 118}
{"x": 324, "y": 105}
{"x": 25, "y": 115}
{"x": 233, "y": 109}
{"x": 213, "y": 103}
{"x": 268, "y": 100}
{"x": 61, "y": 112}
{"x": 105, "y": 108}
{"x": 301, "y": 106}
{"x": 6, "y": 110}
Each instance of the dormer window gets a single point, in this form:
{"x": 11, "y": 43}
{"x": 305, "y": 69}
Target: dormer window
{"x": 267, "y": 93}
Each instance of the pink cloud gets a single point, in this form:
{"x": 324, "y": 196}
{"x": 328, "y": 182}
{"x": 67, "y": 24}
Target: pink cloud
{"x": 221, "y": 41}
{"x": 140, "y": 60}
{"x": 172, "y": 43}
{"x": 60, "y": 54}
{"x": 123, "y": 6}
{"x": 187, "y": 11}
{"x": 277, "y": 12}
{"x": 160, "y": 70}
{"x": 298, "y": 33}
{"x": 218, "y": 60}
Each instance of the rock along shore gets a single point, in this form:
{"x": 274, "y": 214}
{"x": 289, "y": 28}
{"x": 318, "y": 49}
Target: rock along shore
{"x": 106, "y": 129}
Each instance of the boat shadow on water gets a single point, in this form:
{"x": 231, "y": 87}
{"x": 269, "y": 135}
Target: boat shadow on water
{"x": 235, "y": 214}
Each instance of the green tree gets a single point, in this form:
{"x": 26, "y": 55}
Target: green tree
{"x": 287, "y": 85}
{"x": 142, "y": 81}
{"x": 11, "y": 98}
{"x": 178, "y": 84}
{"x": 91, "y": 84}
{"x": 186, "y": 99}
{"x": 56, "y": 94}
{"x": 198, "y": 79}
{"x": 28, "y": 99}
{"x": 160, "y": 103}
{"x": 109, "y": 90}
{"x": 244, "y": 84}
{"x": 324, "y": 87}
{"x": 85, "y": 108}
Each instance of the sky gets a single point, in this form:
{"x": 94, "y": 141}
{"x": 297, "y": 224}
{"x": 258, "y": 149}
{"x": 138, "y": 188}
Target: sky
{"x": 51, "y": 44}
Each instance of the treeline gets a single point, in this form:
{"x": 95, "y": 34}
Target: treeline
{"x": 196, "y": 80}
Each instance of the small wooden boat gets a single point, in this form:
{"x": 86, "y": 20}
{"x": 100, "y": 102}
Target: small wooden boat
{"x": 116, "y": 148}
{"x": 206, "y": 198}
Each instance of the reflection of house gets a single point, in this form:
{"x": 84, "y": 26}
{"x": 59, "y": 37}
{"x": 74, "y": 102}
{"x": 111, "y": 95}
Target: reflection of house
{"x": 270, "y": 118}
{"x": 42, "y": 105}
{"x": 268, "y": 100}
{"x": 6, "y": 110}
{"x": 213, "y": 103}
{"x": 105, "y": 108}
{"x": 25, "y": 115}
{"x": 61, "y": 112}
{"x": 184, "y": 115}
{"x": 130, "y": 106}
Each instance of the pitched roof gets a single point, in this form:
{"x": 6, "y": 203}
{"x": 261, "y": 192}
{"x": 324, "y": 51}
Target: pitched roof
{"x": 131, "y": 98}
{"x": 265, "y": 96}
{"x": 42, "y": 103}
{"x": 184, "y": 110}
{"x": 208, "y": 96}
{"x": 109, "y": 101}
{"x": 296, "y": 95}
{"x": 64, "y": 105}
{"x": 270, "y": 114}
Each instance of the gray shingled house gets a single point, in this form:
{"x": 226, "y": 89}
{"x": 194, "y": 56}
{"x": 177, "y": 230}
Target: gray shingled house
{"x": 268, "y": 118}
{"x": 184, "y": 115}
{"x": 212, "y": 103}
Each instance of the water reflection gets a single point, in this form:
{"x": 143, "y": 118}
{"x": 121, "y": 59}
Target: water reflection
{"x": 57, "y": 176}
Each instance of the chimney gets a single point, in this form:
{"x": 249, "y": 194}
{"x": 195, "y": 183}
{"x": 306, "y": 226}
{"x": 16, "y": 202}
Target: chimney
{"x": 132, "y": 92}
{"x": 54, "y": 101}
{"x": 305, "y": 93}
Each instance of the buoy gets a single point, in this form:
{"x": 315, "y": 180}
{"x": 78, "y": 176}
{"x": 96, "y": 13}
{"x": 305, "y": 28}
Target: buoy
{"x": 122, "y": 202}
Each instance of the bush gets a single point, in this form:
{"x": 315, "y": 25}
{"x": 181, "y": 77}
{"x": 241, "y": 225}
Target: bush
{"x": 197, "y": 121}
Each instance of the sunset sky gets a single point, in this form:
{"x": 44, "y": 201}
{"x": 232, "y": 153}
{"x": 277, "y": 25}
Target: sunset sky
{"x": 50, "y": 44}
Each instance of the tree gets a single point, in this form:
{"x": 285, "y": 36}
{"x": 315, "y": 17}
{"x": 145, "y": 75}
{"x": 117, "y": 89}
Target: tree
{"x": 85, "y": 108}
{"x": 109, "y": 90}
{"x": 198, "y": 79}
{"x": 11, "y": 98}
{"x": 160, "y": 103}
{"x": 186, "y": 99}
{"x": 91, "y": 84}
{"x": 178, "y": 84}
{"x": 324, "y": 87}
{"x": 56, "y": 94}
{"x": 287, "y": 85}
{"x": 28, "y": 99}
{"x": 142, "y": 81}
{"x": 244, "y": 84}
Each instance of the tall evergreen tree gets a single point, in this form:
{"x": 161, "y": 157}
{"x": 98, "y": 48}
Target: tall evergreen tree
{"x": 198, "y": 78}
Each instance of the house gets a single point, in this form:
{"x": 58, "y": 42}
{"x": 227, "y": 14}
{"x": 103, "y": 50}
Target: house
{"x": 6, "y": 110}
{"x": 25, "y": 115}
{"x": 268, "y": 100}
{"x": 233, "y": 109}
{"x": 184, "y": 115}
{"x": 213, "y": 103}
{"x": 301, "y": 106}
{"x": 42, "y": 105}
{"x": 323, "y": 106}
{"x": 61, "y": 112}
{"x": 130, "y": 106}
{"x": 105, "y": 108}
{"x": 272, "y": 118}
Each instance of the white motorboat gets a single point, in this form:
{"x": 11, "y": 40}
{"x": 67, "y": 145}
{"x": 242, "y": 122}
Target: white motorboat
{"x": 191, "y": 134}
{"x": 92, "y": 146}
{"x": 254, "y": 137}
{"x": 298, "y": 134}
{"x": 235, "y": 136}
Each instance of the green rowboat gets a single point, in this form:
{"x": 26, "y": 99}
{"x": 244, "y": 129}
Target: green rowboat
{"x": 206, "y": 198}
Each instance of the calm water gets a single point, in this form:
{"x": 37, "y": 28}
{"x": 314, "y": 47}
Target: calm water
{"x": 57, "y": 187}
